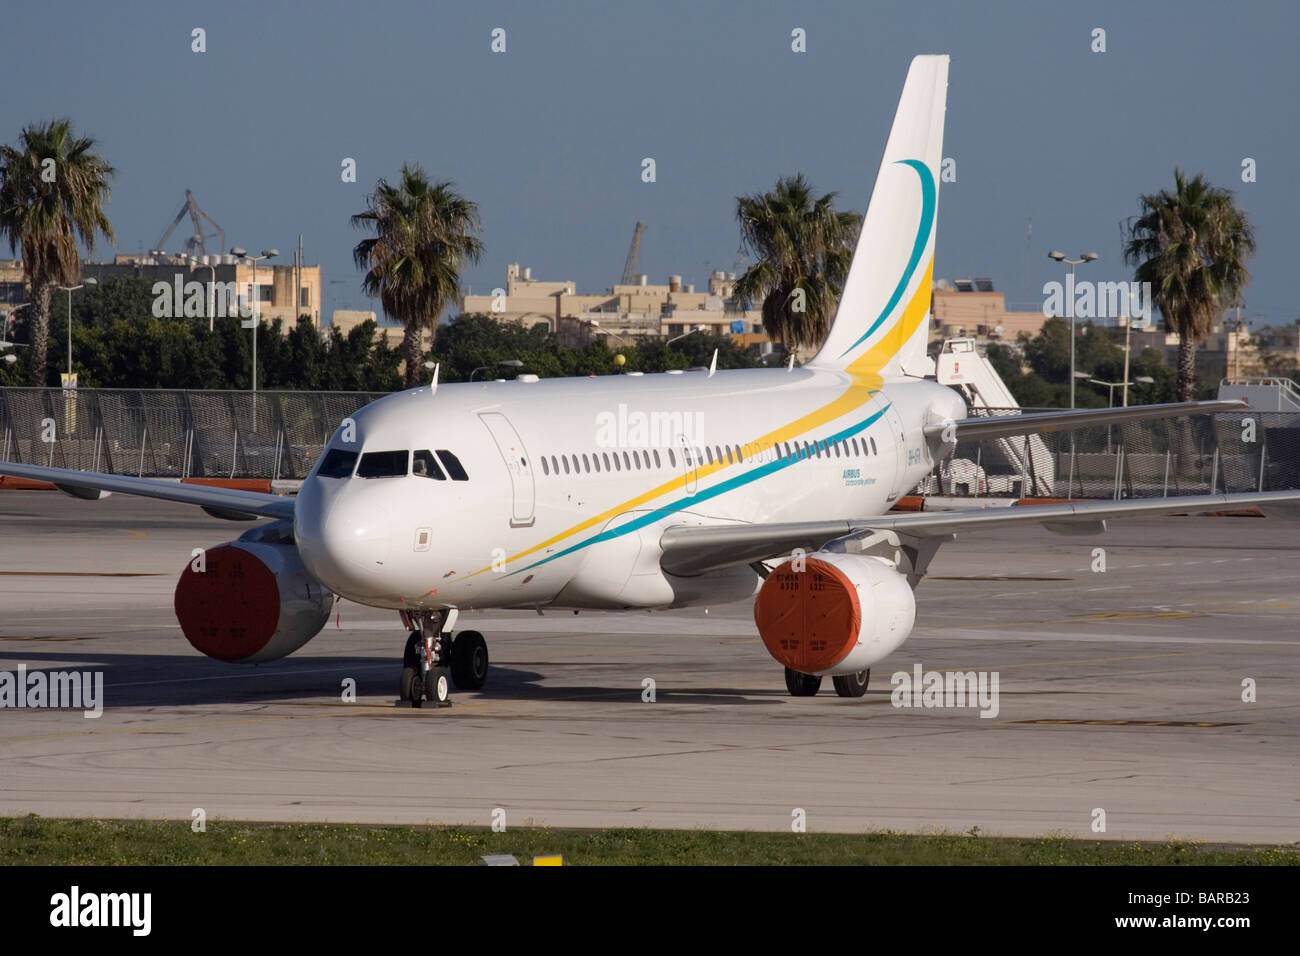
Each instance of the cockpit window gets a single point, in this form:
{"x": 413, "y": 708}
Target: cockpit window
{"x": 453, "y": 465}
{"x": 338, "y": 463}
{"x": 424, "y": 465}
{"x": 383, "y": 464}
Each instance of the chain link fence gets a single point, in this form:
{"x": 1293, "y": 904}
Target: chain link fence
{"x": 1200, "y": 454}
{"x": 173, "y": 433}
{"x": 279, "y": 435}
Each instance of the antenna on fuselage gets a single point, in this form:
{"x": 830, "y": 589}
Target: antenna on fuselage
{"x": 433, "y": 385}
{"x": 713, "y": 365}
{"x": 790, "y": 365}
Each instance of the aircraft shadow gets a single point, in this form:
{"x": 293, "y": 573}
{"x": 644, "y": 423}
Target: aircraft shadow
{"x": 169, "y": 680}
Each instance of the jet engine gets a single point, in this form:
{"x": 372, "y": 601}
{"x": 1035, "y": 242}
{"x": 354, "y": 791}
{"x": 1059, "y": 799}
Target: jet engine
{"x": 251, "y": 600}
{"x": 834, "y": 613}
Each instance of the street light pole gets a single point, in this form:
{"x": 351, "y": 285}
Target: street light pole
{"x": 212, "y": 288}
{"x": 694, "y": 329}
{"x": 256, "y": 320}
{"x": 1060, "y": 257}
{"x": 71, "y": 289}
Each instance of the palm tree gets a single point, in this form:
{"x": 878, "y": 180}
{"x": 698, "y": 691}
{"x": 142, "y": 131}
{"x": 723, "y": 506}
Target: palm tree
{"x": 44, "y": 208}
{"x": 1191, "y": 245}
{"x": 424, "y": 233}
{"x": 802, "y": 245}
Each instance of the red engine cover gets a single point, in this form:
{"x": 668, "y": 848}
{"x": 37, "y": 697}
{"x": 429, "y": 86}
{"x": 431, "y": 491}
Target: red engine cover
{"x": 231, "y": 609}
{"x": 809, "y": 620}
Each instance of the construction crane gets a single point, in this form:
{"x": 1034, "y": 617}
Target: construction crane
{"x": 194, "y": 245}
{"x": 632, "y": 266}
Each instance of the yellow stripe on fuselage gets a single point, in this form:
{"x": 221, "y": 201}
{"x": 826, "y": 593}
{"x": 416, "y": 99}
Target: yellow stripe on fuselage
{"x": 866, "y": 381}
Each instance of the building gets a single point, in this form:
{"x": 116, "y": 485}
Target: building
{"x": 970, "y": 308}
{"x": 275, "y": 282}
{"x": 13, "y": 289}
{"x": 1229, "y": 351}
{"x": 624, "y": 313}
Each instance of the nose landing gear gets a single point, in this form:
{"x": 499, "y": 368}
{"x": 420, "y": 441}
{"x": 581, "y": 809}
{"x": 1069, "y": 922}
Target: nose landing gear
{"x": 433, "y": 660}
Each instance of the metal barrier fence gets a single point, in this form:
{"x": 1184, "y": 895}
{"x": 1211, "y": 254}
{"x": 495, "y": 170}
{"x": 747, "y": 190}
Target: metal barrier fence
{"x": 173, "y": 433}
{"x": 279, "y": 435}
{"x": 1201, "y": 454}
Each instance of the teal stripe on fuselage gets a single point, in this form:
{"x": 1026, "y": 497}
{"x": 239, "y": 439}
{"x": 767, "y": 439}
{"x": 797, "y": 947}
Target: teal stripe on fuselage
{"x": 721, "y": 488}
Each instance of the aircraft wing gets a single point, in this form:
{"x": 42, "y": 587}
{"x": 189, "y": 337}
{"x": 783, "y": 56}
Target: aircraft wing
{"x": 1002, "y": 426}
{"x": 697, "y": 549}
{"x": 219, "y": 502}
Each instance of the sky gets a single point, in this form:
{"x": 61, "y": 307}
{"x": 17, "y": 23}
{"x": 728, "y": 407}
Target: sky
{"x": 548, "y": 137}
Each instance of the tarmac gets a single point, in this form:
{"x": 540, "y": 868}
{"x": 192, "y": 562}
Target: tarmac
{"x": 1119, "y": 691}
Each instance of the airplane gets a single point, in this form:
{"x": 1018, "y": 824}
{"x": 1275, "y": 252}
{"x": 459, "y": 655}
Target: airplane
{"x": 648, "y": 492}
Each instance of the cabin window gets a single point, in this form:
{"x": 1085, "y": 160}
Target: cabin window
{"x": 586, "y": 465}
{"x": 337, "y": 463}
{"x": 605, "y": 456}
{"x": 423, "y": 465}
{"x": 709, "y": 451}
{"x": 546, "y": 469}
{"x": 656, "y": 454}
{"x": 873, "y": 447}
{"x": 453, "y": 465}
{"x": 383, "y": 464}
{"x": 565, "y": 459}
{"x": 672, "y": 459}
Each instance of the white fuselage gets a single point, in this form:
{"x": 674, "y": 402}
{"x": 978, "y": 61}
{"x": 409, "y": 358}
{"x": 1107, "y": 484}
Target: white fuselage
{"x": 571, "y": 482}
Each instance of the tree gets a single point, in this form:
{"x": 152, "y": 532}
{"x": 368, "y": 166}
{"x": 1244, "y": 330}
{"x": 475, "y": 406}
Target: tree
{"x": 1191, "y": 244}
{"x": 424, "y": 234}
{"x": 53, "y": 189}
{"x": 803, "y": 249}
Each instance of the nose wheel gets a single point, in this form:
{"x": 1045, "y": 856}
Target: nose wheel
{"x": 433, "y": 660}
{"x": 424, "y": 676}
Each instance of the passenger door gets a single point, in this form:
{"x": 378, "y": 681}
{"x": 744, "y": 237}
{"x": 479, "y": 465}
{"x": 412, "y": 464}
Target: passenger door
{"x": 518, "y": 465}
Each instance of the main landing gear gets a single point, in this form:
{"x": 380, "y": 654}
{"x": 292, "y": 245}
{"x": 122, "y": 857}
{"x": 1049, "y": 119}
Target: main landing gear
{"x": 433, "y": 659}
{"x": 807, "y": 685}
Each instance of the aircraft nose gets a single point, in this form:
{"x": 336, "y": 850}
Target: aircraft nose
{"x": 343, "y": 537}
{"x": 357, "y": 534}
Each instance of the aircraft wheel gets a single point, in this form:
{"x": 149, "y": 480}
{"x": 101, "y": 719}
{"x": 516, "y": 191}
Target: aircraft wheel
{"x": 800, "y": 684}
{"x": 469, "y": 660}
{"x": 414, "y": 650}
{"x": 436, "y": 688}
{"x": 852, "y": 685}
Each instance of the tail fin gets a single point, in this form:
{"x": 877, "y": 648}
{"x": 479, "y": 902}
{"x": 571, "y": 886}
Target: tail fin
{"x": 880, "y": 327}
